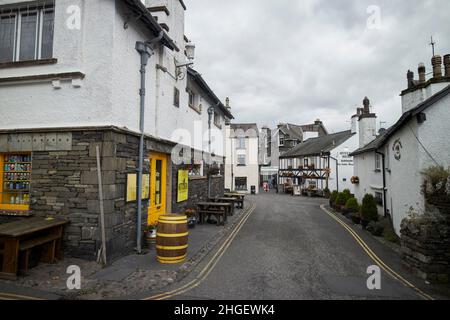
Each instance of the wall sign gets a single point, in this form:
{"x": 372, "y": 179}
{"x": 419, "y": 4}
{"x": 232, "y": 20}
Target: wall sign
{"x": 132, "y": 187}
{"x": 397, "y": 148}
{"x": 183, "y": 185}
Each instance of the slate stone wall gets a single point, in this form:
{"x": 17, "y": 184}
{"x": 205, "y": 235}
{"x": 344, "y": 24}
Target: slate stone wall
{"x": 64, "y": 183}
{"x": 426, "y": 242}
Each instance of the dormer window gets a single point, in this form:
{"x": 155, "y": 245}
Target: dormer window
{"x": 26, "y": 34}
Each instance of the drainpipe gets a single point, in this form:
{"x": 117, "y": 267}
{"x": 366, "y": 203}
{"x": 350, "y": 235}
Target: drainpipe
{"x": 337, "y": 172}
{"x": 145, "y": 49}
{"x": 210, "y": 115}
{"x": 383, "y": 160}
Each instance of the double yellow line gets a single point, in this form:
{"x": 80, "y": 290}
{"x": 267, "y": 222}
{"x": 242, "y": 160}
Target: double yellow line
{"x": 211, "y": 264}
{"x": 375, "y": 258}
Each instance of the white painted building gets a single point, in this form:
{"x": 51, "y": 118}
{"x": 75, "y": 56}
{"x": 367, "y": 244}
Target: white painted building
{"x": 242, "y": 167}
{"x": 321, "y": 162}
{"x": 417, "y": 141}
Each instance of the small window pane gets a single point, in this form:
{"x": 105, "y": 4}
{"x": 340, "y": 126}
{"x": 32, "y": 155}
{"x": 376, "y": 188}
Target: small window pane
{"x": 47, "y": 35}
{"x": 28, "y": 36}
{"x": 7, "y": 32}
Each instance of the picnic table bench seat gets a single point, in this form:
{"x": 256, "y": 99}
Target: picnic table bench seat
{"x": 219, "y": 210}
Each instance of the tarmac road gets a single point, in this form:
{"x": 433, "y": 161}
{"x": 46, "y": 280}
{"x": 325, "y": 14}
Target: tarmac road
{"x": 290, "y": 249}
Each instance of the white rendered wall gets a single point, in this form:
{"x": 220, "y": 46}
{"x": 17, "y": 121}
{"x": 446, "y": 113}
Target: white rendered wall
{"x": 105, "y": 52}
{"x": 346, "y": 164}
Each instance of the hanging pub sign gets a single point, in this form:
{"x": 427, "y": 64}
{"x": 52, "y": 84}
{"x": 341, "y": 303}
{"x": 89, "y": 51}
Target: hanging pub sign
{"x": 132, "y": 187}
{"x": 183, "y": 185}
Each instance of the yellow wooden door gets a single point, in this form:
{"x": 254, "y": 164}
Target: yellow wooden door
{"x": 158, "y": 176}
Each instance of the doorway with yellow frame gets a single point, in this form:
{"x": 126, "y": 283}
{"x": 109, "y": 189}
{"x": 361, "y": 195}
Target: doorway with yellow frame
{"x": 158, "y": 192}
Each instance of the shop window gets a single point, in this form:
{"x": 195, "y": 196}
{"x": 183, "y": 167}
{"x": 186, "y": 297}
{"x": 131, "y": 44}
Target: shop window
{"x": 241, "y": 184}
{"x": 15, "y": 178}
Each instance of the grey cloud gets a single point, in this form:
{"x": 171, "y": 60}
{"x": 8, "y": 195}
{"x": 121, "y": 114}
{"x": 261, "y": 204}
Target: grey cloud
{"x": 285, "y": 60}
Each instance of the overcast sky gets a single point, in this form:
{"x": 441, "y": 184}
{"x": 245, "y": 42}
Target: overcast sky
{"x": 296, "y": 61}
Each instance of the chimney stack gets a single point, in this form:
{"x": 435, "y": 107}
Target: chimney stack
{"x": 422, "y": 72}
{"x": 410, "y": 77}
{"x": 436, "y": 61}
{"x": 447, "y": 65}
{"x": 366, "y": 104}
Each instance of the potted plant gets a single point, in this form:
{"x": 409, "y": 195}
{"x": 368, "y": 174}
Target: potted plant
{"x": 192, "y": 217}
{"x": 369, "y": 210}
{"x": 354, "y": 180}
{"x": 150, "y": 234}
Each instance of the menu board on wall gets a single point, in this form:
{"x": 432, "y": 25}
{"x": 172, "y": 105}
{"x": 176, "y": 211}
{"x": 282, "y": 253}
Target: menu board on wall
{"x": 183, "y": 185}
{"x": 132, "y": 186}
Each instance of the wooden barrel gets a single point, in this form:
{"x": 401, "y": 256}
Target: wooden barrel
{"x": 172, "y": 239}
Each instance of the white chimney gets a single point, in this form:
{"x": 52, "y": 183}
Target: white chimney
{"x": 170, "y": 16}
{"x": 367, "y": 124}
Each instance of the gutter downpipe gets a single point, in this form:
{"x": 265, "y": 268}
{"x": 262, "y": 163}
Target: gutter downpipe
{"x": 145, "y": 49}
{"x": 383, "y": 160}
{"x": 337, "y": 172}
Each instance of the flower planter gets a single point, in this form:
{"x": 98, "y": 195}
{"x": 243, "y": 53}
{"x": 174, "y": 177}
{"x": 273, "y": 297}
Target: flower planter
{"x": 150, "y": 238}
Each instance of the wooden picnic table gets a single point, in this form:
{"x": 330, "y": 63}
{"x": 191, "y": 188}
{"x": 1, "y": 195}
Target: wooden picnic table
{"x": 232, "y": 201}
{"x": 20, "y": 237}
{"x": 218, "y": 209}
{"x": 240, "y": 198}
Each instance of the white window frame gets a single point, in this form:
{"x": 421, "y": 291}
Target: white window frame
{"x": 17, "y": 14}
{"x": 281, "y": 139}
{"x": 240, "y": 156}
{"x": 377, "y": 162}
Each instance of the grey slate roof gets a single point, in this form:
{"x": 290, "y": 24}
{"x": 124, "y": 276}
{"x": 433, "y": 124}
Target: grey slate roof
{"x": 198, "y": 79}
{"x": 381, "y": 139}
{"x": 292, "y": 130}
{"x": 316, "y": 146}
{"x": 249, "y": 129}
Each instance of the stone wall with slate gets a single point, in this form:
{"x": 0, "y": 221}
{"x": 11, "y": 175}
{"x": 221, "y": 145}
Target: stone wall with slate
{"x": 426, "y": 241}
{"x": 64, "y": 183}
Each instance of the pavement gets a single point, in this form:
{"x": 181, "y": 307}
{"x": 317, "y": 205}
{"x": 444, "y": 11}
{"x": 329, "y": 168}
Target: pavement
{"x": 280, "y": 248}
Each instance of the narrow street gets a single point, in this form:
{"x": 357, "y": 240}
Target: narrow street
{"x": 289, "y": 248}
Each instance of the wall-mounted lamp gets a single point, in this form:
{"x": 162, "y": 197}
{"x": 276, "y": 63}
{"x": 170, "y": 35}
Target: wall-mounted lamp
{"x": 190, "y": 54}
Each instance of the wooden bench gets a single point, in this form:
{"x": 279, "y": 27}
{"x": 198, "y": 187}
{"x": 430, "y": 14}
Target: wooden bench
{"x": 217, "y": 209}
{"x": 49, "y": 244}
{"x": 21, "y": 237}
{"x": 231, "y": 201}
{"x": 239, "y": 199}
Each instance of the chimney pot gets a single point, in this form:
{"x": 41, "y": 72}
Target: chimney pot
{"x": 447, "y": 65}
{"x": 422, "y": 72}
{"x": 436, "y": 61}
{"x": 410, "y": 76}
{"x": 366, "y": 104}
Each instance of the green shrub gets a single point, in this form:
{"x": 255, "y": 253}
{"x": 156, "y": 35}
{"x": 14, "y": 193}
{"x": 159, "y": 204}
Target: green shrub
{"x": 352, "y": 205}
{"x": 333, "y": 197}
{"x": 341, "y": 199}
{"x": 369, "y": 210}
{"x": 347, "y": 195}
